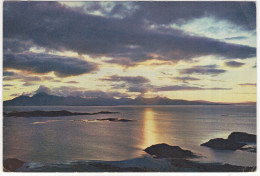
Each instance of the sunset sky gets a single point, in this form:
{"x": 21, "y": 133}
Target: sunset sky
{"x": 180, "y": 50}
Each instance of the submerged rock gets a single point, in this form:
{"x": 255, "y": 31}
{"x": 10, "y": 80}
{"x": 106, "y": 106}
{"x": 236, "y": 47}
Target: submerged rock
{"x": 167, "y": 151}
{"x": 223, "y": 144}
{"x": 242, "y": 137}
{"x": 11, "y": 164}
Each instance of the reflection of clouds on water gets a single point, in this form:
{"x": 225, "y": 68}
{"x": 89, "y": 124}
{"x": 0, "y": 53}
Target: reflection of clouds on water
{"x": 149, "y": 128}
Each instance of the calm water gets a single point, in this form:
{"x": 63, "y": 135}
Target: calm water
{"x": 57, "y": 139}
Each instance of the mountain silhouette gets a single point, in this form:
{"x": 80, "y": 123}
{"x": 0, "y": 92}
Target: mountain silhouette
{"x": 44, "y": 99}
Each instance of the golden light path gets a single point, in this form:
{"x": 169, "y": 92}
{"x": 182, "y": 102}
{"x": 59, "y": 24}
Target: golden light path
{"x": 149, "y": 128}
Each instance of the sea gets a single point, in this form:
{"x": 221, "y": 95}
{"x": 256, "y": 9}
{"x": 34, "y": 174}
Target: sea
{"x": 76, "y": 138}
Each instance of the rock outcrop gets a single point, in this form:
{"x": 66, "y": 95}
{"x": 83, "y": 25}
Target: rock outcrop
{"x": 167, "y": 151}
{"x": 235, "y": 141}
{"x": 223, "y": 144}
{"x": 242, "y": 137}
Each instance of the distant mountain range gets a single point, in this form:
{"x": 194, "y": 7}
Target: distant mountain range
{"x": 44, "y": 99}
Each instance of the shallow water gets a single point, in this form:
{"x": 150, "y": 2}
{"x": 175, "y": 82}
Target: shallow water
{"x": 59, "y": 139}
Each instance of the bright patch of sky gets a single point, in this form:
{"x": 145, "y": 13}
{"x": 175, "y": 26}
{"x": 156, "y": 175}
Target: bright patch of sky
{"x": 218, "y": 29}
{"x": 110, "y": 9}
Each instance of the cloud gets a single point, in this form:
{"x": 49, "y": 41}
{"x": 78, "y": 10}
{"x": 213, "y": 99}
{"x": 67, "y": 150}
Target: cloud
{"x": 72, "y": 82}
{"x": 15, "y": 95}
{"x": 8, "y": 85}
{"x": 153, "y": 88}
{"x": 242, "y": 14}
{"x": 179, "y": 88}
{"x": 16, "y": 45}
{"x": 27, "y": 79}
{"x": 45, "y": 63}
{"x": 82, "y": 92}
{"x": 128, "y": 79}
{"x": 203, "y": 70}
{"x": 234, "y": 64}
{"x": 126, "y": 41}
{"x": 248, "y": 84}
{"x": 235, "y": 38}
{"x": 138, "y": 89}
{"x": 28, "y": 84}
{"x": 186, "y": 78}
{"x": 8, "y": 73}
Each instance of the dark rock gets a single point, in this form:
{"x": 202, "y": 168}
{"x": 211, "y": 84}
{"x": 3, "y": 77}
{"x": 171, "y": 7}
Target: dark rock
{"x": 115, "y": 120}
{"x": 242, "y": 137}
{"x": 107, "y": 112}
{"x": 167, "y": 151}
{"x": 106, "y": 119}
{"x": 11, "y": 164}
{"x": 223, "y": 144}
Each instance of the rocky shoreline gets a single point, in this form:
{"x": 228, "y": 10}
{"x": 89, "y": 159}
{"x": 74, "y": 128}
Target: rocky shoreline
{"x": 163, "y": 158}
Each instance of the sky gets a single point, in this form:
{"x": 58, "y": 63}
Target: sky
{"x": 179, "y": 50}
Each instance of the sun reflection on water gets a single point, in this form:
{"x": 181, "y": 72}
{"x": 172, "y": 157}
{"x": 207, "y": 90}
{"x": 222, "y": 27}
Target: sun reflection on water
{"x": 149, "y": 128}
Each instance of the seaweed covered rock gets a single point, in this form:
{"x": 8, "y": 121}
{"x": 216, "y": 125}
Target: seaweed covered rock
{"x": 11, "y": 164}
{"x": 167, "y": 151}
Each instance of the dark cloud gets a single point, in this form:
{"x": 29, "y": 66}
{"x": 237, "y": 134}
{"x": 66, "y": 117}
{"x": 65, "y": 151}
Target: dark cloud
{"x": 72, "y": 82}
{"x": 164, "y": 73}
{"x": 27, "y": 79}
{"x": 128, "y": 79}
{"x": 8, "y": 85}
{"x": 203, "y": 70}
{"x": 186, "y": 78}
{"x": 178, "y": 88}
{"x": 236, "y": 38}
{"x": 248, "y": 84}
{"x": 8, "y": 73}
{"x": 138, "y": 89}
{"x": 129, "y": 40}
{"x": 234, "y": 64}
{"x": 15, "y": 45}
{"x": 28, "y": 84}
{"x": 45, "y": 63}
{"x": 15, "y": 95}
{"x": 242, "y": 14}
